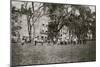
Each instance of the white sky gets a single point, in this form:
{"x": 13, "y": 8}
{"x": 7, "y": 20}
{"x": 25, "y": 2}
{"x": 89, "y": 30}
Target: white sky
{"x": 17, "y": 4}
{"x": 92, "y": 8}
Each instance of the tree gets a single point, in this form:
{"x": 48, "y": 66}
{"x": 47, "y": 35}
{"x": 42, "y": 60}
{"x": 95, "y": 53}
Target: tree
{"x": 56, "y": 15}
{"x": 78, "y": 24}
{"x": 33, "y": 15}
{"x": 15, "y": 25}
{"x": 85, "y": 19}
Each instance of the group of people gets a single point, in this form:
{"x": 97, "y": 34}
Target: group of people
{"x": 74, "y": 40}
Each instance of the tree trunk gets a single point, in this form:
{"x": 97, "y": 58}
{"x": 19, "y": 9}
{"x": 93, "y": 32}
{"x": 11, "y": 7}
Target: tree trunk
{"x": 29, "y": 28}
{"x": 33, "y": 21}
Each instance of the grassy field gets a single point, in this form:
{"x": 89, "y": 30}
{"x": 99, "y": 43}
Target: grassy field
{"x": 29, "y": 54}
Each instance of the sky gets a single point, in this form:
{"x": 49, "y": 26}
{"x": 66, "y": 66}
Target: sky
{"x": 18, "y": 5}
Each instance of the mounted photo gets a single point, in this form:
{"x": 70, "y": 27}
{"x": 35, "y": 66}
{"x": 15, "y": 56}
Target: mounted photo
{"x": 52, "y": 33}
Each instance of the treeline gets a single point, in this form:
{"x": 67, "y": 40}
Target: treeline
{"x": 79, "y": 19}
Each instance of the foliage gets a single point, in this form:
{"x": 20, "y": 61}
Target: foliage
{"x": 78, "y": 24}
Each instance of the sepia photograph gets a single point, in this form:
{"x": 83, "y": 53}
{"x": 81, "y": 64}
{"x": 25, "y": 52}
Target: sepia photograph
{"x": 52, "y": 33}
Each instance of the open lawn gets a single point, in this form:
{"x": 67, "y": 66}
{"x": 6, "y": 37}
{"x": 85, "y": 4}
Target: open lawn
{"x": 29, "y": 54}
